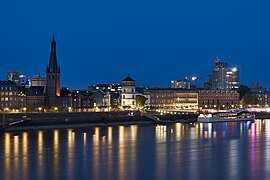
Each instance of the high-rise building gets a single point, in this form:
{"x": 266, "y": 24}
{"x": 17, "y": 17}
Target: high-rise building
{"x": 181, "y": 84}
{"x": 14, "y": 76}
{"x": 128, "y": 97}
{"x": 52, "y": 77}
{"x": 38, "y": 81}
{"x": 224, "y": 77}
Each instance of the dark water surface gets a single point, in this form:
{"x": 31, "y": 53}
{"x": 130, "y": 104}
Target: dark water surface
{"x": 179, "y": 151}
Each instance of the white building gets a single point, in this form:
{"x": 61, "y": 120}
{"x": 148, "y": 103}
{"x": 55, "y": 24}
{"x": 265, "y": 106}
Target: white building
{"x": 38, "y": 81}
{"x": 128, "y": 96}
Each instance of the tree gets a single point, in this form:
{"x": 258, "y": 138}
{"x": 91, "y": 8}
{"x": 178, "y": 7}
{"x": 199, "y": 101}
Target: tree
{"x": 140, "y": 101}
{"x": 64, "y": 92}
{"x": 243, "y": 90}
{"x": 249, "y": 99}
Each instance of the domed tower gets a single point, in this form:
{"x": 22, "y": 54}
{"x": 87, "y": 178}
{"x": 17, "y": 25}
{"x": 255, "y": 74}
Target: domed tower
{"x": 128, "y": 97}
{"x": 52, "y": 77}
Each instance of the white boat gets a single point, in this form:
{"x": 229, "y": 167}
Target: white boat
{"x": 235, "y": 115}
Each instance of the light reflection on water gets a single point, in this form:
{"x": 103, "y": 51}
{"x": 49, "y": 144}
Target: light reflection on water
{"x": 185, "y": 151}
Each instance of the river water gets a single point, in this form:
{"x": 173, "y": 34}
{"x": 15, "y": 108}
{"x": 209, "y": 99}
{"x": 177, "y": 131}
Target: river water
{"x": 179, "y": 151}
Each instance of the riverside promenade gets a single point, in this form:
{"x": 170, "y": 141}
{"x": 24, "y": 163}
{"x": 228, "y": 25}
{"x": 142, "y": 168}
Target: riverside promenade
{"x": 17, "y": 121}
{"x": 31, "y": 121}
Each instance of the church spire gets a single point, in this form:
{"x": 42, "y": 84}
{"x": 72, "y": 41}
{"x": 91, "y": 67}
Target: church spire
{"x": 53, "y": 65}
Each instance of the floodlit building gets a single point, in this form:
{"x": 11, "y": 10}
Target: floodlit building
{"x": 38, "y": 81}
{"x": 218, "y": 99}
{"x": 128, "y": 96}
{"x": 8, "y": 94}
{"x": 173, "y": 98}
{"x": 52, "y": 77}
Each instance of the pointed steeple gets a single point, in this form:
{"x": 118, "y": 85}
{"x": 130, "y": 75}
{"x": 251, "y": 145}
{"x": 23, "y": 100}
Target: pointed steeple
{"x": 53, "y": 65}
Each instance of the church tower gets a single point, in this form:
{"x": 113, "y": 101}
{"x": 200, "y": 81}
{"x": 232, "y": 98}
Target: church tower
{"x": 52, "y": 77}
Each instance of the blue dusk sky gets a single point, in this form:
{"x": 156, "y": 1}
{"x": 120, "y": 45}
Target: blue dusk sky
{"x": 101, "y": 41}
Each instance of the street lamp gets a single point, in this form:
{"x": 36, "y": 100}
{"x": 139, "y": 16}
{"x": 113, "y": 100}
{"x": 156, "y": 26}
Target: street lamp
{"x": 194, "y": 78}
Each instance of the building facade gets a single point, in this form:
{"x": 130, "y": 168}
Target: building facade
{"x": 31, "y": 97}
{"x": 52, "y": 78}
{"x": 106, "y": 87}
{"x": 128, "y": 96}
{"x": 181, "y": 84}
{"x": 113, "y": 90}
{"x": 261, "y": 94}
{"x": 218, "y": 99}
{"x": 224, "y": 77}
{"x": 8, "y": 94}
{"x": 173, "y": 98}
{"x": 38, "y": 81}
{"x": 14, "y": 76}
{"x": 90, "y": 99}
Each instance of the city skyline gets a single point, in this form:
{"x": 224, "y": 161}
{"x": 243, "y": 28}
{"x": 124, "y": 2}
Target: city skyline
{"x": 101, "y": 45}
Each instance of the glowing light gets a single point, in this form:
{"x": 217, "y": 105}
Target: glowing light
{"x": 234, "y": 69}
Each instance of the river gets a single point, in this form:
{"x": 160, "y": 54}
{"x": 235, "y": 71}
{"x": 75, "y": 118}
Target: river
{"x": 228, "y": 151}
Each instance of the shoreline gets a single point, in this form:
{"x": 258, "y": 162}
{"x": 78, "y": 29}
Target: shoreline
{"x": 81, "y": 125}
{"x": 38, "y": 121}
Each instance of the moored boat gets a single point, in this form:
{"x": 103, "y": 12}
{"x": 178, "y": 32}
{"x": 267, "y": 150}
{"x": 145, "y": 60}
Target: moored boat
{"x": 228, "y": 116}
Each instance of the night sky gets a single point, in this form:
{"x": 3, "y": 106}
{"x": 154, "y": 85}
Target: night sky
{"x": 101, "y": 41}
